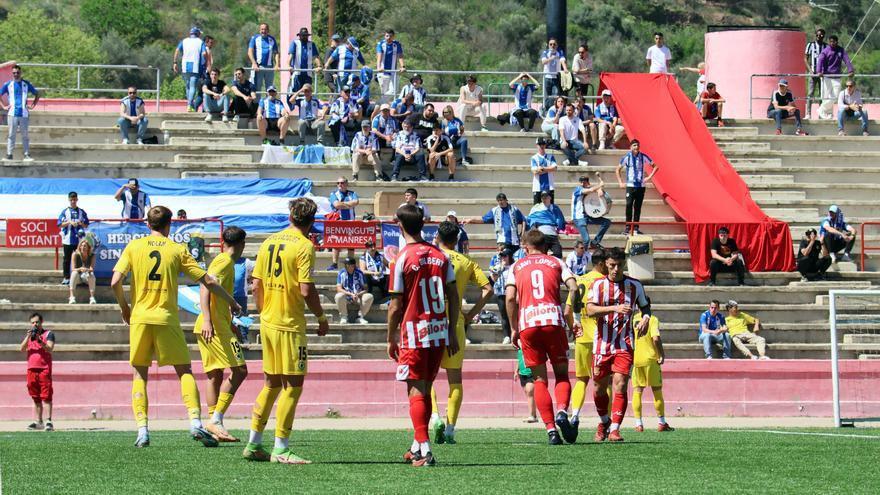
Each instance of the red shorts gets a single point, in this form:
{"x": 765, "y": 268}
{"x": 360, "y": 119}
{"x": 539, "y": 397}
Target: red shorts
{"x": 419, "y": 364}
{"x": 541, "y": 343}
{"x": 39, "y": 384}
{"x": 605, "y": 365}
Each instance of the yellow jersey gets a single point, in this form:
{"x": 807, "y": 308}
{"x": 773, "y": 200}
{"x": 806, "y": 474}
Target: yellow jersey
{"x": 739, "y": 324}
{"x": 222, "y": 268}
{"x": 588, "y": 323}
{"x": 285, "y": 261}
{"x": 466, "y": 270}
{"x": 155, "y": 263}
{"x": 645, "y": 351}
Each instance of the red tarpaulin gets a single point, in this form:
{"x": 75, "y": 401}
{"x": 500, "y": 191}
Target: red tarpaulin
{"x": 695, "y": 178}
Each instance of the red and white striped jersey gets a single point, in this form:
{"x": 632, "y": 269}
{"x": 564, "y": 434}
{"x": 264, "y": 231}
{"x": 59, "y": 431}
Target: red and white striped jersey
{"x": 420, "y": 273}
{"x": 614, "y": 332}
{"x": 537, "y": 278}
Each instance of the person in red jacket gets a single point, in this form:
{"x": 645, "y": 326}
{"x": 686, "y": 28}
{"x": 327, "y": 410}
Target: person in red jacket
{"x": 38, "y": 343}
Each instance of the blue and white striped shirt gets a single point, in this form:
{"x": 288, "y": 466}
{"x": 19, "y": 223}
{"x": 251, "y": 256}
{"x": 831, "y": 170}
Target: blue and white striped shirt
{"x": 551, "y": 68}
{"x": 606, "y": 112}
{"x": 341, "y": 108}
{"x": 542, "y": 182}
{"x": 407, "y": 141}
{"x": 374, "y": 264}
{"x": 635, "y": 168}
{"x": 347, "y": 59}
{"x": 69, "y": 234}
{"x": 192, "y": 57}
{"x": 390, "y": 53}
{"x": 338, "y": 195}
{"x": 577, "y": 203}
{"x": 134, "y": 207}
{"x": 578, "y": 264}
{"x": 453, "y": 127}
{"x": 272, "y": 108}
{"x": 363, "y": 141}
{"x": 265, "y": 49}
{"x": 523, "y": 95}
{"x": 302, "y": 56}
{"x": 132, "y": 105}
{"x": 352, "y": 282}
{"x": 309, "y": 109}
{"x": 420, "y": 95}
{"x": 385, "y": 126}
{"x": 16, "y": 93}
{"x": 361, "y": 93}
{"x": 505, "y": 221}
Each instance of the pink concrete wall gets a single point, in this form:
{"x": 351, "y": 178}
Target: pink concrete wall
{"x": 365, "y": 388}
{"x": 295, "y": 15}
{"x": 732, "y": 56}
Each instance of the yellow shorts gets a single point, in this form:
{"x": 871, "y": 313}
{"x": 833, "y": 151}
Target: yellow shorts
{"x": 222, "y": 352}
{"x": 165, "y": 342}
{"x": 455, "y": 361}
{"x": 583, "y": 359}
{"x": 647, "y": 376}
{"x": 284, "y": 353}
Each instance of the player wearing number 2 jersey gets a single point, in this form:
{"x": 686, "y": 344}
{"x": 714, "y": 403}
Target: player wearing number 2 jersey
{"x": 533, "y": 294}
{"x": 155, "y": 262}
{"x": 418, "y": 327}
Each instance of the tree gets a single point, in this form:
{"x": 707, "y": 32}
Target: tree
{"x": 134, "y": 20}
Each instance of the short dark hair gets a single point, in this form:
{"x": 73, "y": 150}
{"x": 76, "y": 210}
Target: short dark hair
{"x": 833, "y": 37}
{"x": 411, "y": 220}
{"x": 428, "y": 105}
{"x": 71, "y": 195}
{"x": 723, "y": 230}
{"x": 658, "y": 33}
{"x": 38, "y": 315}
{"x": 16, "y": 67}
{"x": 635, "y": 141}
{"x": 389, "y": 31}
{"x": 616, "y": 254}
{"x": 447, "y": 232}
{"x": 599, "y": 256}
{"x": 471, "y": 78}
{"x": 158, "y": 218}
{"x": 436, "y": 127}
{"x": 234, "y": 236}
{"x": 535, "y": 238}
{"x": 710, "y": 86}
{"x": 237, "y": 69}
{"x": 585, "y": 46}
{"x": 350, "y": 261}
{"x": 820, "y": 30}
{"x": 716, "y": 302}
{"x": 302, "y": 212}
{"x": 578, "y": 243}
{"x": 213, "y": 70}
{"x": 134, "y": 180}
{"x": 411, "y": 190}
{"x": 181, "y": 212}
{"x": 209, "y": 38}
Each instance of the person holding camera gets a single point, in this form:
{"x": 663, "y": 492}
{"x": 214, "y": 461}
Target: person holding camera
{"x": 809, "y": 262}
{"x": 73, "y": 222}
{"x": 39, "y": 343}
{"x": 849, "y": 103}
{"x": 135, "y": 203}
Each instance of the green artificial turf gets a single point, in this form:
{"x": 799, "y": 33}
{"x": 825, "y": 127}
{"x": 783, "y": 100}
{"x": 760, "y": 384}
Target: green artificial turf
{"x": 483, "y": 461}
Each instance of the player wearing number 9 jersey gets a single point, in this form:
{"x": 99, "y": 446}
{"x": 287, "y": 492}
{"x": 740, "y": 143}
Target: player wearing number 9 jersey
{"x": 155, "y": 262}
{"x": 533, "y": 294}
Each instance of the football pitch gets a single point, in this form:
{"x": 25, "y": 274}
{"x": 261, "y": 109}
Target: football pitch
{"x": 484, "y": 461}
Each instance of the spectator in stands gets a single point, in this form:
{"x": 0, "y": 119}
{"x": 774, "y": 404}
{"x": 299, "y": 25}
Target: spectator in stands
{"x": 205, "y": 71}
{"x": 713, "y": 331}
{"x": 700, "y": 70}
{"x": 453, "y": 127}
{"x": 712, "y": 105}
{"x": 330, "y": 65}
{"x": 582, "y": 69}
{"x": 411, "y": 197}
{"x": 303, "y": 59}
{"x": 835, "y": 234}
{"x": 570, "y": 130}
{"x": 811, "y": 60}
{"x": 135, "y": 203}
{"x": 343, "y": 201}
{"x": 439, "y": 149}
{"x": 351, "y": 288}
{"x": 634, "y": 163}
{"x": 726, "y": 258}
{"x": 738, "y": 323}
{"x": 243, "y": 267}
{"x": 580, "y": 216}
{"x": 39, "y": 343}
{"x": 658, "y": 56}
{"x": 365, "y": 151}
{"x": 82, "y": 270}
{"x": 782, "y": 107}
{"x": 550, "y": 124}
{"x": 553, "y": 60}
{"x": 402, "y": 109}
{"x": 181, "y": 214}
{"x": 548, "y": 218}
{"x": 608, "y": 122}
{"x": 264, "y": 56}
{"x": 415, "y": 88}
{"x": 463, "y": 245}
{"x": 311, "y": 113}
{"x": 347, "y": 55}
{"x": 18, "y": 116}
{"x": 344, "y": 118}
{"x": 424, "y": 122}
{"x": 585, "y": 113}
{"x": 508, "y": 221}
{"x": 523, "y": 87}
{"x": 72, "y": 222}
{"x": 272, "y": 115}
{"x": 829, "y": 63}
{"x": 244, "y": 97}
{"x": 470, "y": 100}
{"x": 375, "y": 267}
{"x": 499, "y": 274}
{"x": 543, "y": 168}
{"x": 578, "y": 261}
{"x": 132, "y": 113}
{"x": 408, "y": 150}
{"x": 193, "y": 55}
{"x": 849, "y": 105}
{"x": 385, "y": 127}
{"x": 216, "y": 97}
{"x": 360, "y": 93}
{"x": 389, "y": 63}
{"x": 810, "y": 262}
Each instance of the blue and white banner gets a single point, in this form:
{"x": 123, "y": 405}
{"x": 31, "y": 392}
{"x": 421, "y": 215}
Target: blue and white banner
{"x": 392, "y": 241}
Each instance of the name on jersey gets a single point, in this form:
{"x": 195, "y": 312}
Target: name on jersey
{"x": 430, "y": 260}
{"x": 525, "y": 262}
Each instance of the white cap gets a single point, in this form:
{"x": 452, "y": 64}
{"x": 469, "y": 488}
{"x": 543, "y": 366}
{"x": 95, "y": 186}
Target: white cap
{"x": 606, "y": 92}
{"x": 451, "y": 213}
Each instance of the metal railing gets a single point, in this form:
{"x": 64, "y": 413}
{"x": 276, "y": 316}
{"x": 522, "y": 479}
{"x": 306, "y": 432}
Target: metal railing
{"x": 808, "y": 99}
{"x": 863, "y": 247}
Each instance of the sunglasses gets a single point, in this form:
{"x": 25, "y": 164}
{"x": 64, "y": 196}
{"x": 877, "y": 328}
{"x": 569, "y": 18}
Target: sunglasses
{"x": 342, "y": 182}
{"x": 132, "y": 92}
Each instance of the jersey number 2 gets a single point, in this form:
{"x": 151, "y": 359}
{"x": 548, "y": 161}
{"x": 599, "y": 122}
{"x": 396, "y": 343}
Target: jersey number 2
{"x": 432, "y": 295}
{"x": 154, "y": 273}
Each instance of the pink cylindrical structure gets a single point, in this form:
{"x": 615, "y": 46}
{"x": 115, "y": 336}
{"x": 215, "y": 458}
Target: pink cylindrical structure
{"x": 732, "y": 56}
{"x": 295, "y": 14}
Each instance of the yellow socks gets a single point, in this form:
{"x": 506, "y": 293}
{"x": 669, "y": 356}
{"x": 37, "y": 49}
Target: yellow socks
{"x": 434, "y": 408}
{"x": 637, "y": 405}
{"x": 453, "y": 406}
{"x": 286, "y": 411}
{"x": 139, "y": 401}
{"x": 577, "y": 396}
{"x": 263, "y": 408}
{"x": 223, "y": 402}
{"x": 659, "y": 403}
{"x": 190, "y": 393}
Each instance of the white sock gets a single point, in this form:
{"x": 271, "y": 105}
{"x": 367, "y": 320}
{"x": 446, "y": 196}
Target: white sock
{"x": 415, "y": 446}
{"x": 142, "y": 431}
{"x": 575, "y": 414}
{"x": 604, "y": 419}
{"x": 549, "y": 429}
{"x": 450, "y": 429}
{"x": 424, "y": 448}
{"x": 662, "y": 420}
{"x": 615, "y": 426}
{"x": 255, "y": 437}
{"x": 638, "y": 421}
{"x": 217, "y": 417}
{"x": 562, "y": 411}
{"x": 281, "y": 443}
{"x": 435, "y": 417}
{"x": 195, "y": 423}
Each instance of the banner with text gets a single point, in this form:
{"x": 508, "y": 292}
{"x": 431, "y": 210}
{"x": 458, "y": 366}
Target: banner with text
{"x": 392, "y": 241}
{"x": 349, "y": 233}
{"x": 31, "y": 233}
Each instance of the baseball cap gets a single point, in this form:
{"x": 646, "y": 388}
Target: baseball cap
{"x": 541, "y": 141}
{"x": 336, "y": 37}
{"x": 606, "y": 92}
{"x": 350, "y": 261}
{"x": 505, "y": 252}
{"x": 501, "y": 196}
{"x": 353, "y": 42}
{"x": 366, "y": 123}
{"x": 451, "y": 213}
{"x": 384, "y": 106}
{"x": 303, "y": 32}
{"x": 346, "y": 88}
{"x": 271, "y": 89}
{"x": 834, "y": 209}
{"x": 584, "y": 178}
{"x": 783, "y": 82}
{"x": 195, "y": 30}
{"x": 416, "y": 76}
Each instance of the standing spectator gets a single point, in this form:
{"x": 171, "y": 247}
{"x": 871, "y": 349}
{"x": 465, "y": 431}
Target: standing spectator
{"x": 18, "y": 116}
{"x": 579, "y": 215}
{"x": 347, "y": 56}
{"x": 523, "y": 87}
{"x": 389, "y": 63}
{"x": 374, "y": 265}
{"x": 411, "y": 197}
{"x": 244, "y": 97}
{"x": 809, "y": 262}
{"x": 303, "y": 59}
{"x": 344, "y": 118}
{"x": 135, "y": 202}
{"x": 608, "y": 122}
{"x": 365, "y": 150}
{"x": 181, "y": 214}
{"x": 712, "y": 105}
{"x": 550, "y": 124}
{"x": 658, "y": 56}
{"x": 424, "y": 122}
{"x": 849, "y": 105}
{"x": 570, "y": 128}
{"x": 700, "y": 70}
{"x": 402, "y": 109}
{"x": 385, "y": 127}
{"x": 351, "y": 288}
{"x": 82, "y": 270}
{"x": 582, "y": 69}
{"x": 204, "y": 70}
{"x": 331, "y": 66}
{"x": 272, "y": 115}
{"x": 578, "y": 260}
{"x": 508, "y": 221}
{"x": 264, "y": 56}
{"x": 462, "y": 245}
{"x": 311, "y": 114}
{"x": 726, "y": 258}
{"x": 543, "y": 168}
{"x": 829, "y": 63}
{"x": 553, "y": 60}
{"x": 243, "y": 267}
{"x": 811, "y": 61}
{"x": 342, "y": 201}
{"x": 634, "y": 162}
{"x": 782, "y": 107}
{"x": 39, "y": 343}
{"x": 439, "y": 148}
{"x": 408, "y": 150}
{"x": 194, "y": 59}
{"x": 216, "y": 97}
{"x": 738, "y": 323}
{"x": 713, "y": 330}
{"x": 499, "y": 274}
{"x": 418, "y": 92}
{"x": 132, "y": 112}
{"x": 835, "y": 234}
{"x": 454, "y": 128}
{"x": 72, "y": 221}
{"x": 548, "y": 218}
{"x": 470, "y": 100}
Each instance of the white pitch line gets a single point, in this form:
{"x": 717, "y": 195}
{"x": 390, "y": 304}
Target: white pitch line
{"x": 807, "y": 433}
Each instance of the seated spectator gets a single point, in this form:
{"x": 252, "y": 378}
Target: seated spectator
{"x": 311, "y": 113}
{"x": 809, "y": 262}
{"x": 419, "y": 94}
{"x": 216, "y": 100}
{"x": 401, "y": 109}
{"x": 385, "y": 127}
{"x": 543, "y": 168}
{"x": 508, "y": 221}
{"x": 408, "y": 150}
{"x": 782, "y": 107}
{"x": 244, "y": 97}
{"x": 351, "y": 288}
{"x": 344, "y": 118}
{"x": 463, "y": 245}
{"x": 470, "y": 100}
{"x": 365, "y": 151}
{"x": 581, "y": 217}
{"x": 713, "y": 331}
{"x": 132, "y": 113}
{"x": 375, "y": 267}
{"x": 454, "y": 128}
{"x": 578, "y": 261}
{"x": 738, "y": 323}
{"x": 836, "y": 235}
{"x": 570, "y": 130}
{"x": 523, "y": 87}
{"x": 712, "y": 104}
{"x": 411, "y": 197}
{"x": 82, "y": 270}
{"x": 272, "y": 115}
{"x": 423, "y": 122}
{"x": 548, "y": 218}
{"x": 608, "y": 122}
{"x": 726, "y": 258}
{"x": 849, "y": 104}
{"x": 585, "y": 113}
{"x": 439, "y": 149}
{"x": 550, "y": 124}
{"x": 181, "y": 214}
{"x": 360, "y": 93}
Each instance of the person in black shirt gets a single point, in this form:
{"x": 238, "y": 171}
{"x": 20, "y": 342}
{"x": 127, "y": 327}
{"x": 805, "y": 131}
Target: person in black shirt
{"x": 331, "y": 67}
{"x": 244, "y": 97}
{"x": 782, "y": 107}
{"x": 726, "y": 257}
{"x": 809, "y": 262}
{"x": 216, "y": 100}
{"x": 423, "y": 123}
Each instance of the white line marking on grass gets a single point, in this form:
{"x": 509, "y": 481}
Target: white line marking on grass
{"x": 808, "y": 433}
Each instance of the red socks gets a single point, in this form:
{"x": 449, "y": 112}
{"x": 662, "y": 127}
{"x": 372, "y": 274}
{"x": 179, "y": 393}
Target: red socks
{"x": 563, "y": 394}
{"x": 544, "y": 403}
{"x": 618, "y": 408}
{"x": 420, "y": 413}
{"x": 601, "y": 403}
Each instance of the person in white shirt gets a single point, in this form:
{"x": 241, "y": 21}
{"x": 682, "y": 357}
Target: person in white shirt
{"x": 365, "y": 151}
{"x": 553, "y": 60}
{"x": 570, "y": 128}
{"x": 578, "y": 261}
{"x": 582, "y": 69}
{"x": 658, "y": 56}
{"x": 849, "y": 104}
{"x": 470, "y": 100}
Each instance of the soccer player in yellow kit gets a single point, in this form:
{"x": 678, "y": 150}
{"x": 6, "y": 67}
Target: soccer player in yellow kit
{"x": 155, "y": 261}
{"x": 218, "y": 339}
{"x": 584, "y": 332}
{"x": 466, "y": 270}
{"x": 647, "y": 358}
{"x": 283, "y": 287}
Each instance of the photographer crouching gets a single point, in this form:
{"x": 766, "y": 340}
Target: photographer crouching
{"x": 39, "y": 343}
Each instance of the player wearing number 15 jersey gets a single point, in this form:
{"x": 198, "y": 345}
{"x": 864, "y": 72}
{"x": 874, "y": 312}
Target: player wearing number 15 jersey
{"x": 533, "y": 294}
{"x": 418, "y": 327}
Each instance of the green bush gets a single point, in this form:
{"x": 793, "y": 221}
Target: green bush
{"x": 134, "y": 20}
